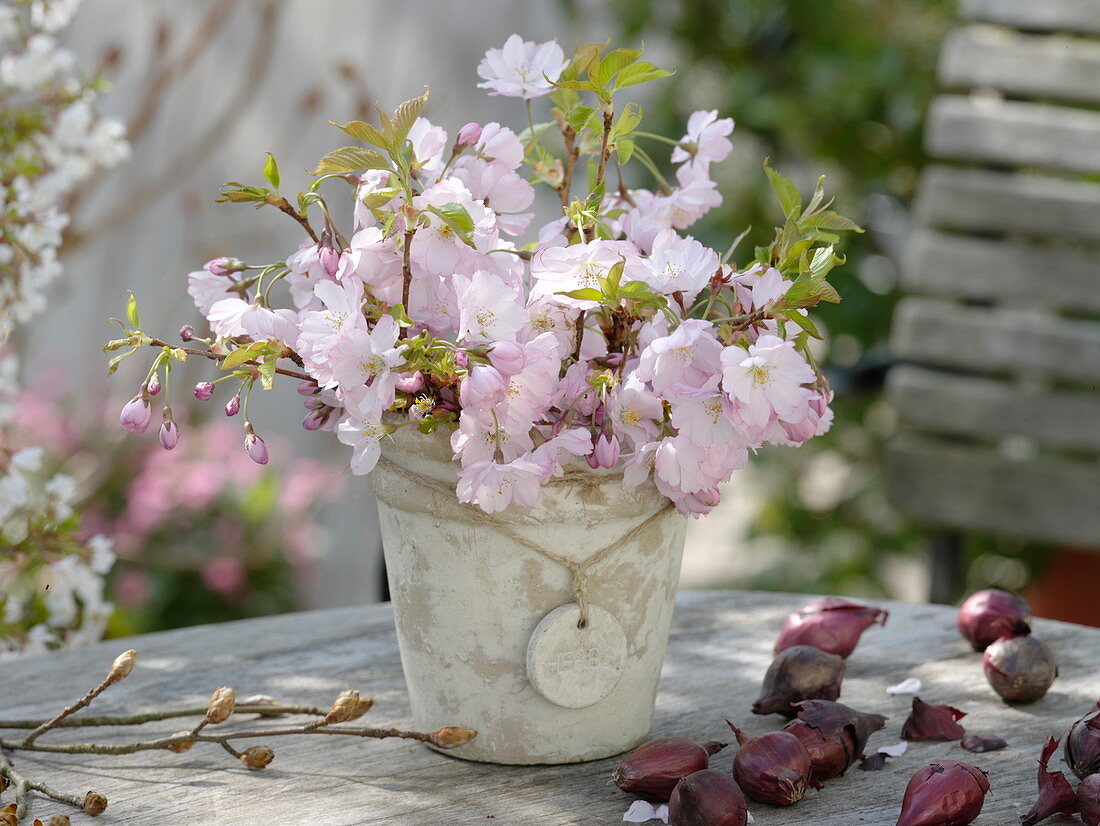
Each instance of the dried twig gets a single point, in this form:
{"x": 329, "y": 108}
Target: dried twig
{"x": 221, "y": 708}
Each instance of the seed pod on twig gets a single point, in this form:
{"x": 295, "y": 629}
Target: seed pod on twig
{"x": 180, "y": 748}
{"x": 95, "y": 804}
{"x": 257, "y": 757}
{"x": 343, "y": 708}
{"x": 222, "y": 703}
{"x": 450, "y": 737}
{"x": 122, "y": 666}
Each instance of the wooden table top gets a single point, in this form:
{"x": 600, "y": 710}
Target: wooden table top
{"x": 720, "y": 647}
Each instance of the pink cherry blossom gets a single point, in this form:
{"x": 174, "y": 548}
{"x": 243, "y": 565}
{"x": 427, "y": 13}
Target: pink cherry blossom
{"x": 364, "y": 438}
{"x": 495, "y": 486}
{"x": 488, "y": 309}
{"x": 687, "y": 359}
{"x": 207, "y": 288}
{"x": 429, "y": 145}
{"x": 522, "y": 69}
{"x": 634, "y": 411}
{"x": 695, "y": 197}
{"x": 705, "y": 141}
{"x": 675, "y": 264}
{"x": 563, "y": 269}
{"x": 767, "y": 380}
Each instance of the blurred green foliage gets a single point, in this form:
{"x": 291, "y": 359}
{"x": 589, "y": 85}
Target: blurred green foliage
{"x": 837, "y": 87}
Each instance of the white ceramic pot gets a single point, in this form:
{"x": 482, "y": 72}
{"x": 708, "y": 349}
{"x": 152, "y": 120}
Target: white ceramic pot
{"x": 468, "y": 599}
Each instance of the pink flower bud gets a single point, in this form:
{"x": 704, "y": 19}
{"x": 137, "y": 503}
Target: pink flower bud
{"x": 508, "y": 357}
{"x": 314, "y": 403}
{"x": 468, "y": 135}
{"x": 257, "y": 449}
{"x": 606, "y": 452}
{"x": 233, "y": 406}
{"x": 411, "y": 382}
{"x": 223, "y": 266}
{"x": 204, "y": 391}
{"x": 136, "y": 414}
{"x": 187, "y": 332}
{"x": 329, "y": 259}
{"x": 461, "y": 359}
{"x": 169, "y": 435}
{"x": 483, "y": 382}
{"x": 314, "y": 420}
{"x": 307, "y": 387}
{"x": 153, "y": 387}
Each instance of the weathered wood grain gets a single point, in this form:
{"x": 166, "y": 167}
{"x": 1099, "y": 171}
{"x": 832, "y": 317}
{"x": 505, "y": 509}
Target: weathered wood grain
{"x": 720, "y": 648}
{"x": 980, "y": 200}
{"x": 963, "y": 266}
{"x": 1014, "y": 133}
{"x": 975, "y": 488}
{"x": 1048, "y": 66}
{"x": 985, "y": 340}
{"x": 988, "y": 409}
{"x": 1081, "y": 16}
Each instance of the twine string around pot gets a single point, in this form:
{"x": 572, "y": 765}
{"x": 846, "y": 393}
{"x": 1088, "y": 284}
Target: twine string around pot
{"x": 578, "y": 569}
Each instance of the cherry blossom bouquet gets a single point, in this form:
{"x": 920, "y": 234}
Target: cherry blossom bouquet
{"x": 613, "y": 338}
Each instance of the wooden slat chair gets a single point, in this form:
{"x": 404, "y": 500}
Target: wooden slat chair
{"x": 998, "y": 394}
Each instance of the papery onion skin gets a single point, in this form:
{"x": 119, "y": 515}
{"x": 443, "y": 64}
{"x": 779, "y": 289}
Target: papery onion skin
{"x": 948, "y": 793}
{"x": 1021, "y": 669}
{"x": 932, "y": 722}
{"x": 1082, "y": 749}
{"x": 979, "y": 743}
{"x": 834, "y": 735}
{"x": 832, "y": 624}
{"x": 707, "y": 798}
{"x": 1056, "y": 795}
{"x": 986, "y": 616}
{"x": 801, "y": 672}
{"x": 653, "y": 769}
{"x": 771, "y": 768}
{"x": 1088, "y": 800}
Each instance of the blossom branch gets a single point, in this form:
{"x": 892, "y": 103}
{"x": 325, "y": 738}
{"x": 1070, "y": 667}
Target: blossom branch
{"x": 121, "y": 668}
{"x": 193, "y": 351}
{"x": 222, "y": 706}
{"x": 272, "y": 709}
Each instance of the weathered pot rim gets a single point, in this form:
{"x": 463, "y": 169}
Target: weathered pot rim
{"x": 431, "y": 455}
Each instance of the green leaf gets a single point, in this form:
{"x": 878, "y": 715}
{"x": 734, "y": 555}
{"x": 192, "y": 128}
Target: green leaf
{"x": 404, "y": 116}
{"x": 808, "y": 290}
{"x": 615, "y": 63}
{"x": 595, "y": 198}
{"x": 805, "y": 323}
{"x": 400, "y": 316}
{"x": 112, "y": 365}
{"x": 579, "y": 117}
{"x": 624, "y": 148}
{"x": 628, "y": 120}
{"x": 576, "y": 85}
{"x": 267, "y": 371}
{"x": 364, "y": 132}
{"x": 822, "y": 262}
{"x": 615, "y": 276}
{"x": 789, "y": 198}
{"x": 636, "y": 290}
{"x": 271, "y": 171}
{"x": 132, "y": 311}
{"x": 243, "y": 354}
{"x": 827, "y": 219}
{"x": 238, "y": 193}
{"x": 458, "y": 219}
{"x": 584, "y": 294}
{"x": 349, "y": 159}
{"x": 374, "y": 200}
{"x": 640, "y": 72}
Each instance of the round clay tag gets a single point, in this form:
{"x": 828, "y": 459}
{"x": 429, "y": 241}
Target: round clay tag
{"x": 576, "y": 667}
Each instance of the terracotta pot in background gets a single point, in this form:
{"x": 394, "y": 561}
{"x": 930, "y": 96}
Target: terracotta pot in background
{"x": 1067, "y": 588}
